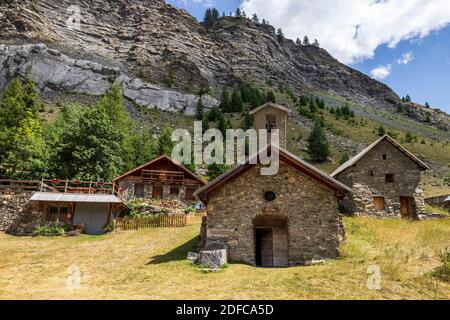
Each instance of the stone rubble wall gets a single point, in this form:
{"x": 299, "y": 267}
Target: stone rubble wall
{"x": 17, "y": 215}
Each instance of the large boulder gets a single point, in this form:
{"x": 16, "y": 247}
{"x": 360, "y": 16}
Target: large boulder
{"x": 214, "y": 259}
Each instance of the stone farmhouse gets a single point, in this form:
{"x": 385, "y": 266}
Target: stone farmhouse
{"x": 287, "y": 219}
{"x": 160, "y": 178}
{"x": 385, "y": 178}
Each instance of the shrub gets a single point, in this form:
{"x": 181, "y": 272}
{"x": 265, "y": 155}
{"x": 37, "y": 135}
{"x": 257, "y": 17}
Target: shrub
{"x": 110, "y": 227}
{"x": 443, "y": 271}
{"x": 49, "y": 230}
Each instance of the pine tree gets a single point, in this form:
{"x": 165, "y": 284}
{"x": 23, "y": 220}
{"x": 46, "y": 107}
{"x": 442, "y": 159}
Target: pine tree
{"x": 238, "y": 12}
{"x": 205, "y": 124}
{"x": 318, "y": 146}
{"x": 298, "y": 42}
{"x": 280, "y": 35}
{"x": 236, "y": 101}
{"x": 316, "y": 43}
{"x": 214, "y": 114}
{"x": 208, "y": 17}
{"x": 312, "y": 106}
{"x": 271, "y": 97}
{"x": 247, "y": 122}
{"x": 222, "y": 125}
{"x": 255, "y": 18}
{"x": 381, "y": 131}
{"x": 306, "y": 41}
{"x": 215, "y": 14}
{"x": 200, "y": 110}
{"x": 225, "y": 101}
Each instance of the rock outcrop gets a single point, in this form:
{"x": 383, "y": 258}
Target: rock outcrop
{"x": 156, "y": 40}
{"x": 56, "y": 72}
{"x": 164, "y": 45}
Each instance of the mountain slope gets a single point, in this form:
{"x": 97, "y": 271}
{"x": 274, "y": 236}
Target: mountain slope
{"x": 164, "y": 45}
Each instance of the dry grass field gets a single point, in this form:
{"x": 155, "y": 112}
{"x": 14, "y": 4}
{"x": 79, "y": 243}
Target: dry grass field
{"x": 151, "y": 265}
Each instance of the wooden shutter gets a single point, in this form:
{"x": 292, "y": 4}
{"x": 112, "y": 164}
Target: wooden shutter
{"x": 379, "y": 203}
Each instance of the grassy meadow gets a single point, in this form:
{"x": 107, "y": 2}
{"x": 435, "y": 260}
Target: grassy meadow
{"x": 151, "y": 264}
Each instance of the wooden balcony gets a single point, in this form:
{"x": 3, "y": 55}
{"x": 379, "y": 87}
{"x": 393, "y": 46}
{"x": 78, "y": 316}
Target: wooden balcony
{"x": 168, "y": 177}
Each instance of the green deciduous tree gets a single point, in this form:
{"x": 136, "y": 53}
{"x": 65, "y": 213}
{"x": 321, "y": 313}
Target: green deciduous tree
{"x": 23, "y": 151}
{"x": 165, "y": 143}
{"x": 88, "y": 145}
{"x": 215, "y": 170}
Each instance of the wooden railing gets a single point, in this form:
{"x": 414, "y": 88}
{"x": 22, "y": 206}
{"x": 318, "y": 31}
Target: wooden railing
{"x": 142, "y": 223}
{"x": 63, "y": 186}
{"x": 87, "y": 187}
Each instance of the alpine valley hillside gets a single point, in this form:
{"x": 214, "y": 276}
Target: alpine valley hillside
{"x": 161, "y": 57}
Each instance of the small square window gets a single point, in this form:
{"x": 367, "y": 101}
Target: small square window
{"x": 371, "y": 173}
{"x": 384, "y": 156}
{"x": 389, "y": 178}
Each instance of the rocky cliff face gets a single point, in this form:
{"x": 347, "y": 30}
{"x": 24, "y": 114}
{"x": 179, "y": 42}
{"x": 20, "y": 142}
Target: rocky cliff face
{"x": 55, "y": 72}
{"x": 162, "y": 45}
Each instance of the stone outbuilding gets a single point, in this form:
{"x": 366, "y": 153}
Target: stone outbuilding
{"x": 283, "y": 220}
{"x": 385, "y": 178}
{"x": 160, "y": 178}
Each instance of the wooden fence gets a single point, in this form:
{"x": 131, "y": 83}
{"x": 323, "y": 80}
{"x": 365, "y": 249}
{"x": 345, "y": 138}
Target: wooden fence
{"x": 30, "y": 185}
{"x": 142, "y": 223}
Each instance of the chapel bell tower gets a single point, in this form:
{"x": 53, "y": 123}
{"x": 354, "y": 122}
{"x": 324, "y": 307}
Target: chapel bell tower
{"x": 272, "y": 116}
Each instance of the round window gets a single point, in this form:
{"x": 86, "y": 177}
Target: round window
{"x": 270, "y": 196}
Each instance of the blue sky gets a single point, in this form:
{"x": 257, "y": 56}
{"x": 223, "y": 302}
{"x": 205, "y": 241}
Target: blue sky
{"x": 424, "y": 71}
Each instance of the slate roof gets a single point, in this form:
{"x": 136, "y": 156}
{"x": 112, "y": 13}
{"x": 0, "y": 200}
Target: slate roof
{"x": 360, "y": 155}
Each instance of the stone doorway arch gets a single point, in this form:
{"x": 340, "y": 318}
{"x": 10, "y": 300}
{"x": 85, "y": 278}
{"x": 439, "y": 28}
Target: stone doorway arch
{"x": 271, "y": 241}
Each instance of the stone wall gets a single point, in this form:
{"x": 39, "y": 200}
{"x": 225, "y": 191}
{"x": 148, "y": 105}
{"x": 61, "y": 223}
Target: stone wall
{"x": 128, "y": 185}
{"x": 259, "y": 120}
{"x": 367, "y": 179}
{"x": 17, "y": 215}
{"x": 310, "y": 208}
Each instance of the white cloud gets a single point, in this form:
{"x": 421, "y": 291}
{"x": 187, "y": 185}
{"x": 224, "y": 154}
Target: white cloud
{"x": 205, "y": 3}
{"x": 352, "y": 29}
{"x": 405, "y": 58}
{"x": 381, "y": 72}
